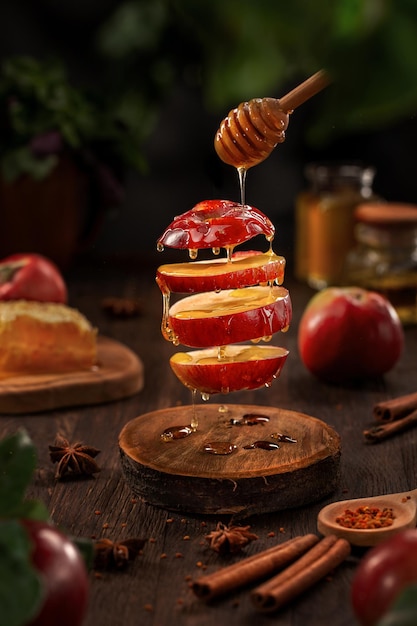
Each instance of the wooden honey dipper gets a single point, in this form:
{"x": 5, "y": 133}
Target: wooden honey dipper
{"x": 251, "y": 131}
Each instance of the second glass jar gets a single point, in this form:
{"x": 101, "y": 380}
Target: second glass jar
{"x": 325, "y": 222}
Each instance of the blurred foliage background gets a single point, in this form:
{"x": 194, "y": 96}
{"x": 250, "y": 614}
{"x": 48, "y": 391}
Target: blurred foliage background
{"x": 240, "y": 49}
{"x": 170, "y": 70}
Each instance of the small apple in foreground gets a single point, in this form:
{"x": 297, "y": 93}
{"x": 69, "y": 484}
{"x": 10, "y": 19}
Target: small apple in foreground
{"x": 241, "y": 367}
{"x": 349, "y": 333}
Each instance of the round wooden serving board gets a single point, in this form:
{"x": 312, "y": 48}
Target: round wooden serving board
{"x": 180, "y": 475}
{"x": 119, "y": 374}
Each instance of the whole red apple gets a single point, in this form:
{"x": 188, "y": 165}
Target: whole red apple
{"x": 349, "y": 333}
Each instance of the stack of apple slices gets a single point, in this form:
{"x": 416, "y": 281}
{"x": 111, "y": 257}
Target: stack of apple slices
{"x": 235, "y": 299}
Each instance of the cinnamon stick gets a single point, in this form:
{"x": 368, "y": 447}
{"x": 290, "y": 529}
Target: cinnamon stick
{"x": 383, "y": 431}
{"x": 319, "y": 561}
{"x": 252, "y": 568}
{"x": 396, "y": 408}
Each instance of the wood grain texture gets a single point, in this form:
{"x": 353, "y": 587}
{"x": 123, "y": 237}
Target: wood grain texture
{"x": 119, "y": 374}
{"x": 155, "y": 589}
{"x": 182, "y": 476}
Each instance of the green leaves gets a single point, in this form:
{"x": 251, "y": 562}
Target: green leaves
{"x": 20, "y": 587}
{"x": 37, "y": 99}
{"x": 17, "y": 464}
{"x": 404, "y": 610}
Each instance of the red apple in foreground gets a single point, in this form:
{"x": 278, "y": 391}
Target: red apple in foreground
{"x": 230, "y": 316}
{"x": 243, "y": 270}
{"x": 349, "y": 333}
{"x": 238, "y": 368}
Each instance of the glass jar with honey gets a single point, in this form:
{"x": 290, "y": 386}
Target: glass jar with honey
{"x": 324, "y": 220}
{"x": 385, "y": 256}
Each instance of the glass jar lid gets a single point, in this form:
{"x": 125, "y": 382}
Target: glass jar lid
{"x": 386, "y": 214}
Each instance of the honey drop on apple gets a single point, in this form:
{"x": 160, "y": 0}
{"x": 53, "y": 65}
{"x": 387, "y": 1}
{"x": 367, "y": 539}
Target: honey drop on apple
{"x": 160, "y": 247}
{"x": 220, "y": 447}
{"x": 176, "y": 432}
{"x": 216, "y": 251}
{"x": 193, "y": 253}
{"x": 264, "y": 445}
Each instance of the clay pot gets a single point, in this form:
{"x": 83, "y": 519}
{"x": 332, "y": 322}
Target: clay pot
{"x": 47, "y": 216}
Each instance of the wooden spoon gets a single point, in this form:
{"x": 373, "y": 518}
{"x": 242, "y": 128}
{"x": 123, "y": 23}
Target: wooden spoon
{"x": 404, "y": 506}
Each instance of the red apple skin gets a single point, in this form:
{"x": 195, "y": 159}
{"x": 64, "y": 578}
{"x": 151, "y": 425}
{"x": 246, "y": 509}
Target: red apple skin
{"x": 220, "y": 274}
{"x": 228, "y": 376}
{"x": 233, "y": 327}
{"x": 216, "y": 224}
{"x": 347, "y": 334}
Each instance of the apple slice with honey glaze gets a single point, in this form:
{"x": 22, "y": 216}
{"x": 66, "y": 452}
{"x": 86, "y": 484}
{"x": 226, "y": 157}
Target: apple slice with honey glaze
{"x": 216, "y": 224}
{"x": 230, "y": 316}
{"x": 233, "y": 368}
{"x": 243, "y": 270}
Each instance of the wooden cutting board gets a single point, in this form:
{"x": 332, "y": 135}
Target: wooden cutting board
{"x": 119, "y": 374}
{"x": 181, "y": 475}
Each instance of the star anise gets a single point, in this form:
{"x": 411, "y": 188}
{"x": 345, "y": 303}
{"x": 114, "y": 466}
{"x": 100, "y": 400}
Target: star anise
{"x": 116, "y": 554}
{"x": 73, "y": 459}
{"x": 122, "y": 307}
{"x": 230, "y": 539}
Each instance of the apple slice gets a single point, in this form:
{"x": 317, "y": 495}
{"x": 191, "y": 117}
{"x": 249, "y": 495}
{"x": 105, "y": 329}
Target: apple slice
{"x": 230, "y": 316}
{"x": 236, "y": 368}
{"x": 216, "y": 224}
{"x": 244, "y": 270}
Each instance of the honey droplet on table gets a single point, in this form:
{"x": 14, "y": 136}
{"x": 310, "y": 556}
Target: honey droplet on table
{"x": 176, "y": 432}
{"x": 282, "y": 437}
{"x": 220, "y": 447}
{"x": 264, "y": 445}
{"x": 250, "y": 419}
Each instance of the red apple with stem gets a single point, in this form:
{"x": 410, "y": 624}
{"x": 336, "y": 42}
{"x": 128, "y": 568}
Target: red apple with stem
{"x": 230, "y": 316}
{"x": 349, "y": 333}
{"x": 234, "y": 368}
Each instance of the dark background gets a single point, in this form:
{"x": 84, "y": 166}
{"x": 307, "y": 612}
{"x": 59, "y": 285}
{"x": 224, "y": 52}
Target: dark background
{"x": 182, "y": 165}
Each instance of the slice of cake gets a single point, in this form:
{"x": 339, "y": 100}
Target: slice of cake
{"x": 44, "y": 337}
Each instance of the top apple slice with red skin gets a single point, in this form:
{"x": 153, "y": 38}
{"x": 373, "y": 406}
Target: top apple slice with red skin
{"x": 216, "y": 224}
{"x": 243, "y": 270}
{"x": 231, "y": 316}
{"x": 347, "y": 334}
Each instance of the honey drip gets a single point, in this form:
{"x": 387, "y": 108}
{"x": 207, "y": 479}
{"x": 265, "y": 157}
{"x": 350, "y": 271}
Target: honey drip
{"x": 282, "y": 437}
{"x": 264, "y": 445}
{"x": 220, "y": 447}
{"x": 241, "y": 172}
{"x": 176, "y": 432}
{"x": 250, "y": 419}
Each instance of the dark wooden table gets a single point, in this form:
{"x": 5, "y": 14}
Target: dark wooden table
{"x": 154, "y": 589}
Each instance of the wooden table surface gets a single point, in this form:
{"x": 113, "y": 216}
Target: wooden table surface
{"x": 154, "y": 589}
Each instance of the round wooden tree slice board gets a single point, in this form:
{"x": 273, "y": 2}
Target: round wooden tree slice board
{"x": 181, "y": 475}
{"x": 119, "y": 374}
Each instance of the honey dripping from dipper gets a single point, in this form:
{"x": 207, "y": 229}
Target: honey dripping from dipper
{"x": 238, "y": 297}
